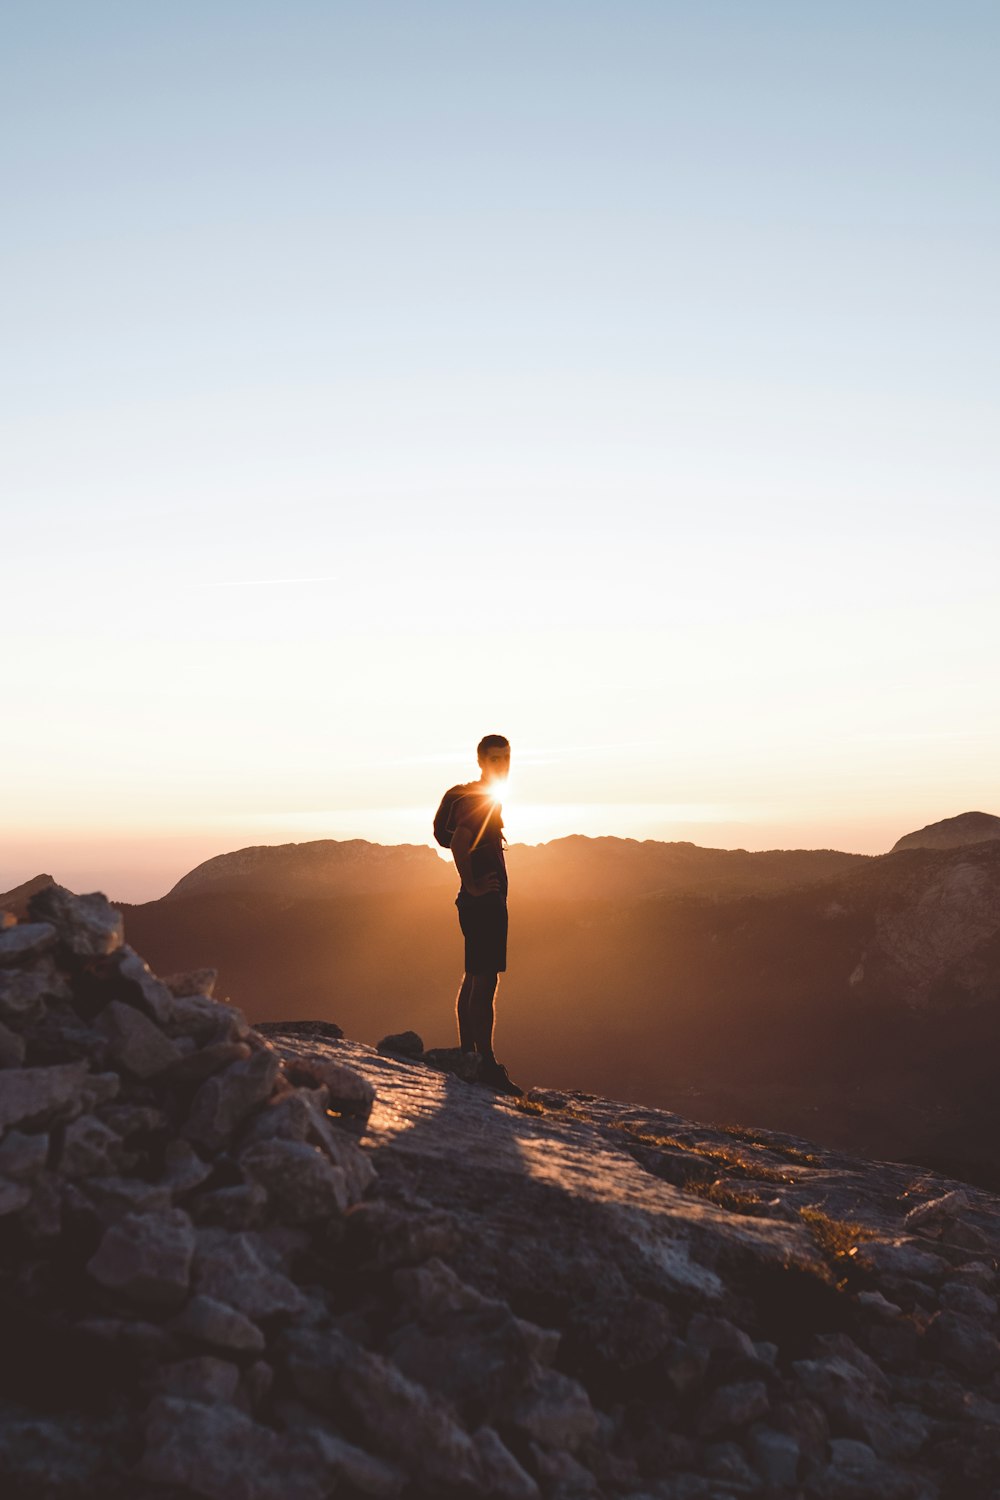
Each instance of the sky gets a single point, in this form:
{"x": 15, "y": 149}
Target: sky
{"x": 618, "y": 377}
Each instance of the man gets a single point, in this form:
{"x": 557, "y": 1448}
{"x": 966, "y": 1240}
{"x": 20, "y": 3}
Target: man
{"x": 471, "y": 814}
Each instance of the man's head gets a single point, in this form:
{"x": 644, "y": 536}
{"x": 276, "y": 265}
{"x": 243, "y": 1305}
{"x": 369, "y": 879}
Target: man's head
{"x": 493, "y": 754}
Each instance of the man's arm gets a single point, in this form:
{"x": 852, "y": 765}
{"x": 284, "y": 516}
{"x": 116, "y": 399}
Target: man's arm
{"x": 461, "y": 848}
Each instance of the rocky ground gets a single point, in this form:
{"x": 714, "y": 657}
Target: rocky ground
{"x": 276, "y": 1264}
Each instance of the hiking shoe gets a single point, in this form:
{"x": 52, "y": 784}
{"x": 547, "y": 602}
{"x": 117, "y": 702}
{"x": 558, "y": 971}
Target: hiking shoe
{"x": 496, "y": 1077}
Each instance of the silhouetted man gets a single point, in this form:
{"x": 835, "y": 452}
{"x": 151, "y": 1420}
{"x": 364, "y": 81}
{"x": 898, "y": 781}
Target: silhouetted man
{"x": 469, "y": 822}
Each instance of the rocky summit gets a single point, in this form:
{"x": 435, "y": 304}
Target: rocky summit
{"x": 276, "y": 1264}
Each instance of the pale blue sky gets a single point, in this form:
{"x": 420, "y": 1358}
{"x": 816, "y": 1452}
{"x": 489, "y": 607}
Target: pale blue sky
{"x": 659, "y": 341}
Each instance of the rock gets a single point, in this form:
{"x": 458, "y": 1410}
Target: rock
{"x": 25, "y": 942}
{"x": 874, "y": 1302}
{"x": 146, "y": 1256}
{"x": 191, "y": 982}
{"x": 898, "y": 1258}
{"x": 89, "y": 926}
{"x": 240, "y": 1207}
{"x": 339, "y": 1462}
{"x": 89, "y": 1147}
{"x": 563, "y": 1477}
{"x": 552, "y": 1409}
{"x": 728, "y": 1462}
{"x": 395, "y": 1415}
{"x": 464, "y": 1065}
{"x": 349, "y": 1095}
{"x": 13, "y": 1197}
{"x": 975, "y": 1273}
{"x": 200, "y": 1064}
{"x": 402, "y": 1044}
{"x": 37, "y": 1096}
{"x": 147, "y": 1342}
{"x": 855, "y": 1473}
{"x": 229, "y": 1268}
{"x": 502, "y": 1476}
{"x": 142, "y": 988}
{"x": 133, "y": 1119}
{"x": 219, "y": 1453}
{"x": 41, "y": 1219}
{"x": 113, "y": 1197}
{"x": 948, "y": 1206}
{"x": 23, "y": 1156}
{"x": 734, "y": 1406}
{"x": 255, "y": 1385}
{"x": 683, "y": 1366}
{"x": 390, "y": 1236}
{"x": 619, "y": 1334}
{"x": 183, "y": 1168}
{"x": 477, "y": 1359}
{"x": 12, "y": 1048}
{"x": 300, "y": 1181}
{"x": 203, "y": 1378}
{"x": 719, "y": 1336}
{"x": 208, "y": 1021}
{"x": 23, "y": 992}
{"x": 48, "y": 1458}
{"x": 98, "y": 1089}
{"x": 963, "y": 1343}
{"x": 209, "y": 1321}
{"x": 226, "y": 1098}
{"x": 134, "y": 1041}
{"x": 960, "y": 1296}
{"x": 776, "y": 1456}
{"x": 356, "y": 1165}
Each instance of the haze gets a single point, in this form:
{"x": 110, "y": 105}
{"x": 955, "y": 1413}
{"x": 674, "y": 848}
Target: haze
{"x": 618, "y": 378}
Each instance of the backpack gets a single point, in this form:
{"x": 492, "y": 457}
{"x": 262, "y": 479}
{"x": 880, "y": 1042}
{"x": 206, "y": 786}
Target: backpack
{"x": 444, "y": 824}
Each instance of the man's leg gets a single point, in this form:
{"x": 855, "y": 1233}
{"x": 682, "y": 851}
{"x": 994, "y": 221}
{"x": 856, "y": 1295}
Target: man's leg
{"x": 484, "y": 987}
{"x": 463, "y": 1010}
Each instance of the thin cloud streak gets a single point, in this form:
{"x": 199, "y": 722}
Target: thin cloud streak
{"x": 239, "y": 583}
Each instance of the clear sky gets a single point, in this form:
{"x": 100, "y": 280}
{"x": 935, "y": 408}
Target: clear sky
{"x": 621, "y": 377}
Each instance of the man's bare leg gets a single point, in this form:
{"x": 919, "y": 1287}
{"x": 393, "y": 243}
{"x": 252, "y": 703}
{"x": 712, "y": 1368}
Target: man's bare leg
{"x": 484, "y": 987}
{"x": 463, "y": 1010}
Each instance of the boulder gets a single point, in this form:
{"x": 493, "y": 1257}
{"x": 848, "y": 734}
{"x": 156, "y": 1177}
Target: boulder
{"x": 89, "y": 1148}
{"x": 146, "y": 1257}
{"x": 39, "y": 1096}
{"x": 401, "y": 1419}
{"x": 301, "y": 1183}
{"x": 734, "y": 1406}
{"x": 88, "y": 926}
{"x": 225, "y": 1099}
{"x": 134, "y": 1041}
{"x": 217, "y": 1452}
{"x": 349, "y": 1095}
{"x": 402, "y": 1044}
{"x": 141, "y": 987}
{"x": 25, "y": 942}
{"x": 228, "y": 1267}
{"x": 209, "y": 1321}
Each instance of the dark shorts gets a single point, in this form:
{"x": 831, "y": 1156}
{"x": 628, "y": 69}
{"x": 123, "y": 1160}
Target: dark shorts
{"x": 483, "y": 920}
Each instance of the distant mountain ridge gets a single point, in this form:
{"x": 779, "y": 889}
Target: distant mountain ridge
{"x": 319, "y": 867}
{"x": 581, "y": 867}
{"x": 952, "y": 833}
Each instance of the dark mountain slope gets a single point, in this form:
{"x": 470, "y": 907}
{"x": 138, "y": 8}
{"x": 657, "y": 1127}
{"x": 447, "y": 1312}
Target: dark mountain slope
{"x": 864, "y": 1009}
